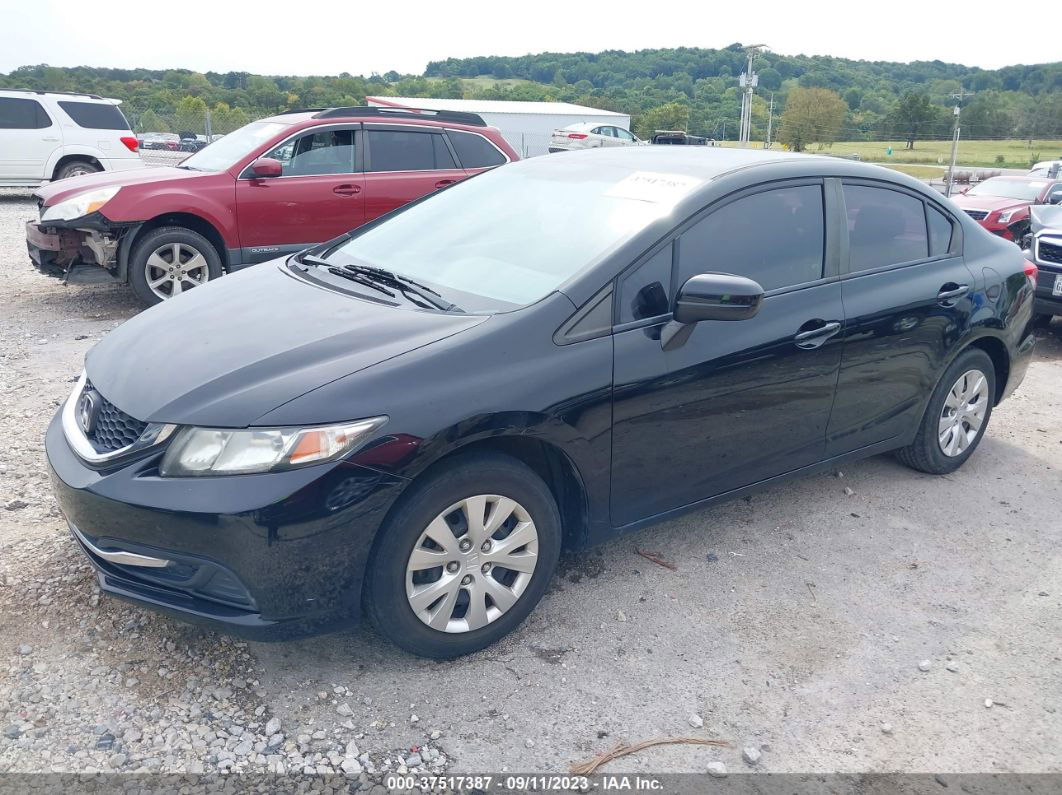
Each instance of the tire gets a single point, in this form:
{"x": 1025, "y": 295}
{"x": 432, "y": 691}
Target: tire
{"x": 1042, "y": 321}
{"x": 926, "y": 453}
{"x": 76, "y": 168}
{"x": 153, "y": 256}
{"x": 390, "y": 588}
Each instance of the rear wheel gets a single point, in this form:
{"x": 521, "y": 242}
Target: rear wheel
{"x": 956, "y": 417}
{"x": 75, "y": 168}
{"x": 465, "y": 558}
{"x": 169, "y": 261}
{"x": 1042, "y": 321}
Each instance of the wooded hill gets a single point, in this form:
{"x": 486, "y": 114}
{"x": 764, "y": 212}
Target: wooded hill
{"x": 683, "y": 87}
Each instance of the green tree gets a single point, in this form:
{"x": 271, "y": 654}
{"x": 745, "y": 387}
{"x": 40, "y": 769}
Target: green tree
{"x": 812, "y": 115}
{"x": 672, "y": 116}
{"x": 191, "y": 115}
{"x": 150, "y": 122}
{"x": 913, "y": 115}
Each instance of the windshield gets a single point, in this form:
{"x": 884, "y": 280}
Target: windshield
{"x": 225, "y": 152}
{"x": 1009, "y": 188}
{"x": 510, "y": 236}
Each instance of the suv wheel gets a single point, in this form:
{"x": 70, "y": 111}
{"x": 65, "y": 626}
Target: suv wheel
{"x": 170, "y": 260}
{"x": 956, "y": 417}
{"x": 465, "y": 558}
{"x": 76, "y": 168}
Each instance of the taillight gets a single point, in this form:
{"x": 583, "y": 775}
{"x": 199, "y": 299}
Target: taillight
{"x": 577, "y": 135}
{"x": 1031, "y": 271}
{"x": 132, "y": 144}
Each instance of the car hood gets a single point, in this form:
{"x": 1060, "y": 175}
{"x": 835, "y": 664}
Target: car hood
{"x": 228, "y": 352}
{"x": 991, "y": 203}
{"x": 55, "y": 192}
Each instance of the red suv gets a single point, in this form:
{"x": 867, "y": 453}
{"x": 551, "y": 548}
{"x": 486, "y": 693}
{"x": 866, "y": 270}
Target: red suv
{"x": 271, "y": 188}
{"x": 1001, "y": 204}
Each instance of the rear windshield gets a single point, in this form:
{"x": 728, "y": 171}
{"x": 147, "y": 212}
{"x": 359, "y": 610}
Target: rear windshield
{"x": 95, "y": 115}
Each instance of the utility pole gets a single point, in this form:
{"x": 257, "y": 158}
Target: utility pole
{"x": 748, "y": 82}
{"x": 770, "y": 123}
{"x": 724, "y": 129}
{"x": 958, "y": 96}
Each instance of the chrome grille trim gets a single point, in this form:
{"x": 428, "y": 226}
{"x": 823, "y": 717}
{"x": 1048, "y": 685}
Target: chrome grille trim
{"x": 154, "y": 433}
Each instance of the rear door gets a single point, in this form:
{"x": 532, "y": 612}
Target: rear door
{"x": 403, "y": 163}
{"x": 319, "y": 195}
{"x": 28, "y": 136}
{"x": 908, "y": 296}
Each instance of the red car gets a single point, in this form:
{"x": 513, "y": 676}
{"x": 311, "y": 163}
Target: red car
{"x": 271, "y": 188}
{"x": 1001, "y": 204}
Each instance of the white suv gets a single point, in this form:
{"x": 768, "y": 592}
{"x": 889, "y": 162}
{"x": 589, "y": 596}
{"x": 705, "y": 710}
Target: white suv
{"x": 47, "y": 135}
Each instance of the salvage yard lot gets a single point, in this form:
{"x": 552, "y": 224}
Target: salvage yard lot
{"x": 795, "y": 620}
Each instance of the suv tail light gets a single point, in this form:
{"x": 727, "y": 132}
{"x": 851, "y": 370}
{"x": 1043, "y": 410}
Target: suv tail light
{"x": 1031, "y": 271}
{"x": 579, "y": 136}
{"x": 132, "y": 144}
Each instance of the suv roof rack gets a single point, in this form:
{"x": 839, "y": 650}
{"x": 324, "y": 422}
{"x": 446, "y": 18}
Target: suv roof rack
{"x": 42, "y": 92}
{"x": 299, "y": 110}
{"x": 455, "y": 116}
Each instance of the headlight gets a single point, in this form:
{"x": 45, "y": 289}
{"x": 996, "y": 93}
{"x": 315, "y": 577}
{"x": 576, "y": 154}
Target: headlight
{"x": 80, "y": 205}
{"x": 216, "y": 451}
{"x": 1006, "y": 214}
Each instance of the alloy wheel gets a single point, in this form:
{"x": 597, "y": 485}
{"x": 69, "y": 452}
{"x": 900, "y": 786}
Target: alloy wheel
{"x": 472, "y": 563}
{"x": 963, "y": 413}
{"x": 173, "y": 268}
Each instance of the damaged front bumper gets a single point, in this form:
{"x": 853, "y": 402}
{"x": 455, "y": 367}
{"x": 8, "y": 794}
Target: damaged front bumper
{"x": 82, "y": 251}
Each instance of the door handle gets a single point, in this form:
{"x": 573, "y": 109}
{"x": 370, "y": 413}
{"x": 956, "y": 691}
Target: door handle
{"x": 442, "y": 183}
{"x": 813, "y": 338}
{"x": 949, "y": 292}
{"x": 49, "y": 139}
{"x": 346, "y": 190}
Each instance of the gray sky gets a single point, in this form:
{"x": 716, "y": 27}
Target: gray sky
{"x": 363, "y": 36}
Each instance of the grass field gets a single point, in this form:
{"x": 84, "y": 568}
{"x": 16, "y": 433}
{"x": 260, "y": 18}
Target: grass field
{"x": 1017, "y": 153}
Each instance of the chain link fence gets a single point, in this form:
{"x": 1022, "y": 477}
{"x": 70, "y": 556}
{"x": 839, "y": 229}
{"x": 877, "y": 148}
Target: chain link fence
{"x": 167, "y": 138}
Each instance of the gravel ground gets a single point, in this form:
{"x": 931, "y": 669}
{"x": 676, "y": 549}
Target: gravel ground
{"x": 866, "y": 621}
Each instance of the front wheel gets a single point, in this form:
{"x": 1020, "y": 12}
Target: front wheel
{"x": 956, "y": 417}
{"x": 465, "y": 558}
{"x": 170, "y": 260}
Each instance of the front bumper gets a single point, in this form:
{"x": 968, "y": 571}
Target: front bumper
{"x": 1046, "y": 302}
{"x": 67, "y": 253}
{"x": 267, "y": 557}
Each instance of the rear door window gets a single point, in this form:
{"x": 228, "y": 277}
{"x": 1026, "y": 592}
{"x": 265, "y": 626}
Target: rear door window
{"x": 95, "y": 115}
{"x": 885, "y": 227}
{"x": 22, "y": 114}
{"x": 394, "y": 150}
{"x": 776, "y": 238}
{"x": 475, "y": 151}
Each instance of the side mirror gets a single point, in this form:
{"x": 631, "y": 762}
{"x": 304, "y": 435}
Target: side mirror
{"x": 717, "y": 296}
{"x": 265, "y": 167}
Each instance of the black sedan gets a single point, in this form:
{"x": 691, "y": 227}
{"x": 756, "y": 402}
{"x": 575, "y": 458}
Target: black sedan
{"x": 412, "y": 421}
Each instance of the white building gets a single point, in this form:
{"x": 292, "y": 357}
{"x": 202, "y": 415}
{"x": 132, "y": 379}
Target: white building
{"x": 527, "y": 126}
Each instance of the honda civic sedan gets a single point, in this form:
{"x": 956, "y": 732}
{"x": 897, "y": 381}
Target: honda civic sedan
{"x": 411, "y": 421}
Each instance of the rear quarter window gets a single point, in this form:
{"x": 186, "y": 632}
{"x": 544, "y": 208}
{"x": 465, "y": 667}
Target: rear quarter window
{"x": 475, "y": 151}
{"x": 95, "y": 115}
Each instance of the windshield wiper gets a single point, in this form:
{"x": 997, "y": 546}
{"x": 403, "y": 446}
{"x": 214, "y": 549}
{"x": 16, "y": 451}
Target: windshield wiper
{"x": 403, "y": 284}
{"x": 380, "y": 279}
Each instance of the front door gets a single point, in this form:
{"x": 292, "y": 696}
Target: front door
{"x": 403, "y": 163}
{"x": 908, "y": 297}
{"x": 739, "y": 401}
{"x": 319, "y": 195}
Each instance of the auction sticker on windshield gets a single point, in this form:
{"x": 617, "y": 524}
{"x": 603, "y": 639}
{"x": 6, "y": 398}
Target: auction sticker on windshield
{"x": 654, "y": 186}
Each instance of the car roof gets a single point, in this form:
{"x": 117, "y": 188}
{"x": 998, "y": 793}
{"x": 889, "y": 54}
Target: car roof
{"x": 311, "y": 118}
{"x": 42, "y": 93}
{"x": 585, "y": 125}
{"x": 1020, "y": 178}
{"x": 702, "y": 162}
